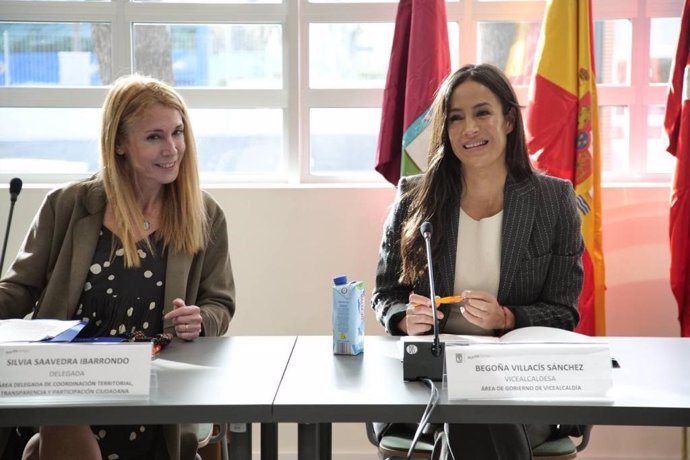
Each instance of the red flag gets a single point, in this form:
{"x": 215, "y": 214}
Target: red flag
{"x": 563, "y": 134}
{"x": 420, "y": 60}
{"x": 677, "y": 124}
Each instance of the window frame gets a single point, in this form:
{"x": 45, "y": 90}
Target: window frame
{"x": 296, "y": 98}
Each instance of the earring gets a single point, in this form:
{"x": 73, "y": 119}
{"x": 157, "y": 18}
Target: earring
{"x": 120, "y": 152}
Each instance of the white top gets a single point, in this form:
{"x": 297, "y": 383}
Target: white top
{"x": 477, "y": 265}
{"x": 478, "y": 257}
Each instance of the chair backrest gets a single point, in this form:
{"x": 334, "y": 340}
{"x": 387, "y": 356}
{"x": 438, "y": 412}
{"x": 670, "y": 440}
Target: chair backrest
{"x": 560, "y": 446}
{"x": 395, "y": 445}
{"x": 555, "y": 449}
{"x": 574, "y": 431}
{"x": 206, "y": 436}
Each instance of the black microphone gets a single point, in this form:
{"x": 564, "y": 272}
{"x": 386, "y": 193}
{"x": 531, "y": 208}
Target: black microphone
{"x": 15, "y": 188}
{"x": 423, "y": 359}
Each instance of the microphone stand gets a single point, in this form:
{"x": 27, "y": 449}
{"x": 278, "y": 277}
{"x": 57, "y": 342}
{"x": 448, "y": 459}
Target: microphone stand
{"x": 422, "y": 359}
{"x": 436, "y": 348}
{"x": 7, "y": 234}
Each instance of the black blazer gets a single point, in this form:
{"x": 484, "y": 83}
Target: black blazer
{"x": 541, "y": 256}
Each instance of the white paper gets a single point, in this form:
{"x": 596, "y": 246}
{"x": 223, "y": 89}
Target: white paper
{"x": 532, "y": 334}
{"x": 32, "y": 330}
{"x": 541, "y": 334}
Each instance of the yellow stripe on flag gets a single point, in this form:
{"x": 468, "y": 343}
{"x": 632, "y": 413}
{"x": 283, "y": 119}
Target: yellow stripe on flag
{"x": 557, "y": 49}
{"x": 563, "y": 134}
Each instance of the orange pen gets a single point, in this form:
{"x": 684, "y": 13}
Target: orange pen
{"x": 450, "y": 299}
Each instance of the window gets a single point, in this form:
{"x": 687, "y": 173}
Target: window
{"x": 290, "y": 91}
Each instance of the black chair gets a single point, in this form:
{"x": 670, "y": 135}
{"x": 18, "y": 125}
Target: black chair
{"x": 562, "y": 446}
{"x": 393, "y": 445}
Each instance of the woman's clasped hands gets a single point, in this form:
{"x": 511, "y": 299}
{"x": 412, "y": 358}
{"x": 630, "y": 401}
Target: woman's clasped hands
{"x": 478, "y": 307}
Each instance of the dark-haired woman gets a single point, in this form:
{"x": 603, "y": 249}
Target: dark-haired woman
{"x": 506, "y": 237}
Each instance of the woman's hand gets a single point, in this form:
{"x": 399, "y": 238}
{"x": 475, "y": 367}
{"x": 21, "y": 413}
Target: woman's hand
{"x": 186, "y": 318}
{"x": 419, "y": 318}
{"x": 482, "y": 309}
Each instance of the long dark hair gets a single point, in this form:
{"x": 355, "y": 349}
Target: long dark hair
{"x": 434, "y": 195}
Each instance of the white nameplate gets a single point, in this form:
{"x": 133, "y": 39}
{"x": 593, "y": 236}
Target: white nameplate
{"x": 82, "y": 371}
{"x": 556, "y": 371}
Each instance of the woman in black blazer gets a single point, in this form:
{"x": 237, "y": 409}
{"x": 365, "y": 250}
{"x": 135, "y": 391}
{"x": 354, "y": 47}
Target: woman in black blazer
{"x": 506, "y": 238}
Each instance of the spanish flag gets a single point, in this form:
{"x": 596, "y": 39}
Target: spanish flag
{"x": 677, "y": 124}
{"x": 420, "y": 61}
{"x": 563, "y": 134}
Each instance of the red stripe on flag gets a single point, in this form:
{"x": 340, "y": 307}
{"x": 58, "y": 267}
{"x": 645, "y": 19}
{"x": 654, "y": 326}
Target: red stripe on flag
{"x": 420, "y": 60}
{"x": 562, "y": 134}
{"x": 677, "y": 124}
{"x": 587, "y": 324}
{"x": 552, "y": 126}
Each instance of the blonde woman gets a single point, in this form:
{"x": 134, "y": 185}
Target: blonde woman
{"x": 138, "y": 247}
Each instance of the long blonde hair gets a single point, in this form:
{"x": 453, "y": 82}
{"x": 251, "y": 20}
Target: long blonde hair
{"x": 183, "y": 226}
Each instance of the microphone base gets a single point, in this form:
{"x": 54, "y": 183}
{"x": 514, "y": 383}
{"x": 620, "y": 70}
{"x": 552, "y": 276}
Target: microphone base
{"x": 420, "y": 361}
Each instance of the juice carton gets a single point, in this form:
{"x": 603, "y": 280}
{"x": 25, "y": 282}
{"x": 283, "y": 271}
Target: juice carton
{"x": 348, "y": 316}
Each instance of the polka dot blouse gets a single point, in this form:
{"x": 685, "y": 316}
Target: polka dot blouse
{"x": 116, "y": 301}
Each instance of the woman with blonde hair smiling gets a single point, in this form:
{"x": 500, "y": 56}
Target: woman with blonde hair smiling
{"x": 138, "y": 248}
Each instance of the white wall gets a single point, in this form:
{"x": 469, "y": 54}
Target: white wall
{"x": 287, "y": 244}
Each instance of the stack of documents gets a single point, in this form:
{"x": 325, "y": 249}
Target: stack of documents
{"x": 37, "y": 330}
